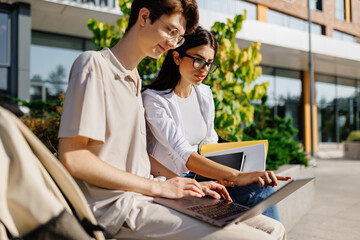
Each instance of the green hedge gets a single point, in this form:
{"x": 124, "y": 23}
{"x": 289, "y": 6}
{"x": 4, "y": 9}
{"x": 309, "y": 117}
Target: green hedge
{"x": 280, "y": 133}
{"x": 354, "y": 136}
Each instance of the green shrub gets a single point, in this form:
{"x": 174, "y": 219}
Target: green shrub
{"x": 44, "y": 121}
{"x": 354, "y": 136}
{"x": 279, "y": 132}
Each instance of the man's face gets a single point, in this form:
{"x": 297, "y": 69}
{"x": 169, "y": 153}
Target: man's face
{"x": 164, "y": 34}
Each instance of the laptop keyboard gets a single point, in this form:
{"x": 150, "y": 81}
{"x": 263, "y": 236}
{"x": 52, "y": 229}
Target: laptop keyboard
{"x": 219, "y": 210}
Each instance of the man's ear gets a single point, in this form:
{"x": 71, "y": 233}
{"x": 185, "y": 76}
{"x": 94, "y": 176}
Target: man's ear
{"x": 144, "y": 14}
{"x": 176, "y": 57}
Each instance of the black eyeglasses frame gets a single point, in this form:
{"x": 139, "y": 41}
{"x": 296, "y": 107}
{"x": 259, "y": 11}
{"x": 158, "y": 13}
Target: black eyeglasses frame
{"x": 205, "y": 63}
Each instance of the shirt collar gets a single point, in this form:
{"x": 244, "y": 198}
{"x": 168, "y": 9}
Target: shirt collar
{"x": 122, "y": 72}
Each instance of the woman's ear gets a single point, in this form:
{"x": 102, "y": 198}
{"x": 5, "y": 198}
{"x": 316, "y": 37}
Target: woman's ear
{"x": 144, "y": 14}
{"x": 176, "y": 57}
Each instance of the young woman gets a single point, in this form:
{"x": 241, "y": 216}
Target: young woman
{"x": 179, "y": 110}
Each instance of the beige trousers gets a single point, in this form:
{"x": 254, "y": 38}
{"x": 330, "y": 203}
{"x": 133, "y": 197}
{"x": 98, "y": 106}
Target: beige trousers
{"x": 153, "y": 221}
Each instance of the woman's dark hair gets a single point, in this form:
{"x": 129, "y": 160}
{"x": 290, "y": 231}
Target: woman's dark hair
{"x": 169, "y": 74}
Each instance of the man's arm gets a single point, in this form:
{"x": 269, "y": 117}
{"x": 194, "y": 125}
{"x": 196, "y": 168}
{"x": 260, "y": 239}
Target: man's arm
{"x": 210, "y": 188}
{"x": 84, "y": 165}
{"x": 157, "y": 169}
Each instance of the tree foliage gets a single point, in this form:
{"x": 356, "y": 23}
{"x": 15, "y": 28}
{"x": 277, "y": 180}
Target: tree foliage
{"x": 233, "y": 83}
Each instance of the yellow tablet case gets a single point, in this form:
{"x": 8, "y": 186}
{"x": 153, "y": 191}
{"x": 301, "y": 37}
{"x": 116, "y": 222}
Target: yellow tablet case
{"x": 214, "y": 147}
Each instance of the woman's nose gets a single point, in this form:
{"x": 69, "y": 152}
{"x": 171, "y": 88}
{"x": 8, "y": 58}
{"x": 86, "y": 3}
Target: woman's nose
{"x": 206, "y": 68}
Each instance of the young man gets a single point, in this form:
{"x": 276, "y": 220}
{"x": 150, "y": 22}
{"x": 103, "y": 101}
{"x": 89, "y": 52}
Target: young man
{"x": 103, "y": 136}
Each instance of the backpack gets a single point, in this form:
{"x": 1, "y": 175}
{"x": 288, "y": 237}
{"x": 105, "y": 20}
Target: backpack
{"x": 38, "y": 197}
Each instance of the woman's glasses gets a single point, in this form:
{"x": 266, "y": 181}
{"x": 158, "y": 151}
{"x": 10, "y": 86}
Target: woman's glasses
{"x": 199, "y": 63}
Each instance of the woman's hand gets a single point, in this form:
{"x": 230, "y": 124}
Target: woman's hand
{"x": 263, "y": 178}
{"x": 178, "y": 187}
{"x": 215, "y": 190}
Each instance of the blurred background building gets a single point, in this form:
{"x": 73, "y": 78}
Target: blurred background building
{"x": 40, "y": 39}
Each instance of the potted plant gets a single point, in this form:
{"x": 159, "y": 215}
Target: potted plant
{"x": 352, "y": 146}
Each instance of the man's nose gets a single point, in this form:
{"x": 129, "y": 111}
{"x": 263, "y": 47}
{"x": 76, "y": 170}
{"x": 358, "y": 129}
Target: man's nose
{"x": 172, "y": 43}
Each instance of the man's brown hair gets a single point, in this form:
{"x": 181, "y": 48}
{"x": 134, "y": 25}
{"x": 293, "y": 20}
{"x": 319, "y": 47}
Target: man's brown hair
{"x": 157, "y": 8}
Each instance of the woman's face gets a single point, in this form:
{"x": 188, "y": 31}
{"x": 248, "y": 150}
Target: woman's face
{"x": 190, "y": 75}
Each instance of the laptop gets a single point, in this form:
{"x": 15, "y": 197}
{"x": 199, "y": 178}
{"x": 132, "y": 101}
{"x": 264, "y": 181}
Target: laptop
{"x": 234, "y": 160}
{"x": 221, "y": 213}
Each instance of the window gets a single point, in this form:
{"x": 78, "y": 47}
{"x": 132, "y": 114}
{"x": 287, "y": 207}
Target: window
{"x": 288, "y": 93}
{"x": 325, "y": 89}
{"x": 217, "y": 6}
{"x": 285, "y": 20}
{"x": 344, "y": 36}
{"x": 230, "y": 7}
{"x": 4, "y": 38}
{"x": 338, "y": 107}
{"x": 201, "y": 3}
{"x": 237, "y": 7}
{"x": 346, "y": 88}
{"x": 325, "y": 92}
{"x": 3, "y": 79}
{"x": 340, "y": 9}
{"x": 288, "y": 85}
{"x": 346, "y": 106}
{"x": 51, "y": 58}
{"x": 316, "y": 5}
{"x": 4, "y": 50}
{"x": 284, "y": 94}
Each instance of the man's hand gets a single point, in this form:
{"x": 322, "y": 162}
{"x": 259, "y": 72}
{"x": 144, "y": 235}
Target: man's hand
{"x": 263, "y": 178}
{"x": 215, "y": 190}
{"x": 178, "y": 187}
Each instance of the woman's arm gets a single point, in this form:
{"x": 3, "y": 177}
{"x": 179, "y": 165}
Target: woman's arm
{"x": 84, "y": 165}
{"x": 208, "y": 168}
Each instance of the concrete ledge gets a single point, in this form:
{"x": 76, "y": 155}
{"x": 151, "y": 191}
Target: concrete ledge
{"x": 351, "y": 150}
{"x": 295, "y": 206}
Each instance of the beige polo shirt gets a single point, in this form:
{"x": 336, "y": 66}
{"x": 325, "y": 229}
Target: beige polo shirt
{"x": 103, "y": 103}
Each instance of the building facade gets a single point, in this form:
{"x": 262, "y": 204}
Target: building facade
{"x": 39, "y": 40}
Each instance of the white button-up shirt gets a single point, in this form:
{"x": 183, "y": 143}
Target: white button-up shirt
{"x": 165, "y": 135}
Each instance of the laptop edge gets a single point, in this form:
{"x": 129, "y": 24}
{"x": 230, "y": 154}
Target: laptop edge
{"x": 181, "y": 205}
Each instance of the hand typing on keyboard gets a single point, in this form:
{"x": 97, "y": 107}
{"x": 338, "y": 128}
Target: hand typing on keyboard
{"x": 215, "y": 190}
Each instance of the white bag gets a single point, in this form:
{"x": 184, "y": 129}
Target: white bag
{"x": 37, "y": 194}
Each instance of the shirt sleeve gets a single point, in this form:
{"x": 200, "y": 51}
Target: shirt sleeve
{"x": 84, "y": 104}
{"x": 164, "y": 128}
{"x": 211, "y": 136}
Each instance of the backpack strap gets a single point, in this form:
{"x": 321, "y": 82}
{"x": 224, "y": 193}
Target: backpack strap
{"x": 90, "y": 228}
{"x": 9, "y": 236}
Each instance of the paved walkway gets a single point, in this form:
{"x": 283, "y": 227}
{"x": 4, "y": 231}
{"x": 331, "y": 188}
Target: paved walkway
{"x": 335, "y": 214}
